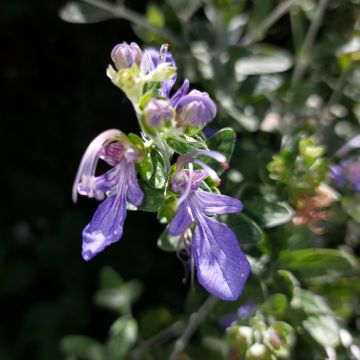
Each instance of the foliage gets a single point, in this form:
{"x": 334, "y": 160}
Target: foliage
{"x": 286, "y": 80}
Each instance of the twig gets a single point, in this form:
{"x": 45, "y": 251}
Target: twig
{"x": 171, "y": 331}
{"x": 304, "y": 55}
{"x": 195, "y": 320}
{"x": 123, "y": 12}
{"x": 336, "y": 94}
{"x": 270, "y": 20}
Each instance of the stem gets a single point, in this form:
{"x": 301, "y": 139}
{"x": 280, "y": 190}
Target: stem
{"x": 171, "y": 331}
{"x": 336, "y": 94}
{"x": 304, "y": 55}
{"x": 195, "y": 320}
{"x": 122, "y": 12}
{"x": 270, "y": 20}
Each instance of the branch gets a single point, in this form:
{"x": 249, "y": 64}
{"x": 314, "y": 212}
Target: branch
{"x": 270, "y": 20}
{"x": 195, "y": 320}
{"x": 171, "y": 331}
{"x": 122, "y": 12}
{"x": 305, "y": 51}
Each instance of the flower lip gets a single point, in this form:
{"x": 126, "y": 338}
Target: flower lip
{"x": 94, "y": 151}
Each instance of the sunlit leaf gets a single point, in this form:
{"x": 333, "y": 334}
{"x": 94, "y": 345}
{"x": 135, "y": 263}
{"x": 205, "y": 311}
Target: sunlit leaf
{"x": 81, "y": 13}
{"x": 318, "y": 264}
{"x": 122, "y": 337}
{"x": 224, "y": 142}
{"x": 182, "y": 145}
{"x": 264, "y": 59}
{"x": 268, "y": 214}
{"x": 83, "y": 348}
{"x": 168, "y": 242}
{"x": 246, "y": 230}
{"x": 153, "y": 198}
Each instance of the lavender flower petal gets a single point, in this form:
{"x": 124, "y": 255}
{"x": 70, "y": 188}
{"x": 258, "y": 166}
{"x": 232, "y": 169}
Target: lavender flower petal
{"x": 181, "y": 221}
{"x": 182, "y": 91}
{"x": 337, "y": 175}
{"x": 106, "y": 226}
{"x": 352, "y": 144}
{"x": 134, "y": 193}
{"x": 222, "y": 268}
{"x": 150, "y": 61}
{"x": 212, "y": 203}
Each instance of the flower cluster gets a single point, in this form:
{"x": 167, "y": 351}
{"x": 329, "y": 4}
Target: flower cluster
{"x": 170, "y": 123}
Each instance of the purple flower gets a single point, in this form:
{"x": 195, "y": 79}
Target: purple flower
{"x": 152, "y": 58}
{"x": 348, "y": 170}
{"x": 337, "y": 175}
{"x": 242, "y": 312}
{"x": 222, "y": 268}
{"x": 158, "y": 112}
{"x": 195, "y": 108}
{"x": 118, "y": 185}
{"x": 124, "y": 55}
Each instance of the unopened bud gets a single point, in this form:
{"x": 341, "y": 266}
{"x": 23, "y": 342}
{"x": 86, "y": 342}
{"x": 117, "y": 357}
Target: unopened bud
{"x": 258, "y": 352}
{"x": 195, "y": 108}
{"x": 124, "y": 55}
{"x": 158, "y": 112}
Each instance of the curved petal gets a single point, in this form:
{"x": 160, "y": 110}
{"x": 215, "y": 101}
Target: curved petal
{"x": 211, "y": 203}
{"x": 134, "y": 193}
{"x": 182, "y": 220}
{"x": 105, "y": 227}
{"x": 222, "y": 268}
{"x": 182, "y": 91}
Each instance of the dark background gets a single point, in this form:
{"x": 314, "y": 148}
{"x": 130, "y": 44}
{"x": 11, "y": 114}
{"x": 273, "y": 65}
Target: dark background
{"x": 55, "y": 99}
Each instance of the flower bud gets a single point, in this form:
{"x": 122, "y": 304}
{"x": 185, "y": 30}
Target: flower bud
{"x": 258, "y": 351}
{"x": 195, "y": 108}
{"x": 158, "y": 112}
{"x": 124, "y": 55}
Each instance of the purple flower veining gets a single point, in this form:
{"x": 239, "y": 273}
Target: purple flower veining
{"x": 118, "y": 185}
{"x": 222, "y": 268}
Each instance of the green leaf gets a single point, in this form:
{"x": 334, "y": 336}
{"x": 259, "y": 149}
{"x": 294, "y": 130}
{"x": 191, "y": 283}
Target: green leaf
{"x": 246, "y": 230}
{"x": 168, "y": 242}
{"x": 323, "y": 329}
{"x": 123, "y": 335}
{"x": 167, "y": 209}
{"x": 80, "y": 13}
{"x": 268, "y": 214}
{"x": 83, "y": 347}
{"x": 309, "y": 302}
{"x": 109, "y": 278}
{"x": 264, "y": 59}
{"x": 318, "y": 265}
{"x": 349, "y": 53}
{"x": 224, "y": 142}
{"x": 159, "y": 176}
{"x": 184, "y": 9}
{"x": 153, "y": 198}
{"x": 119, "y": 299}
{"x": 286, "y": 282}
{"x": 276, "y": 305}
{"x": 320, "y": 322}
{"x": 185, "y": 144}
